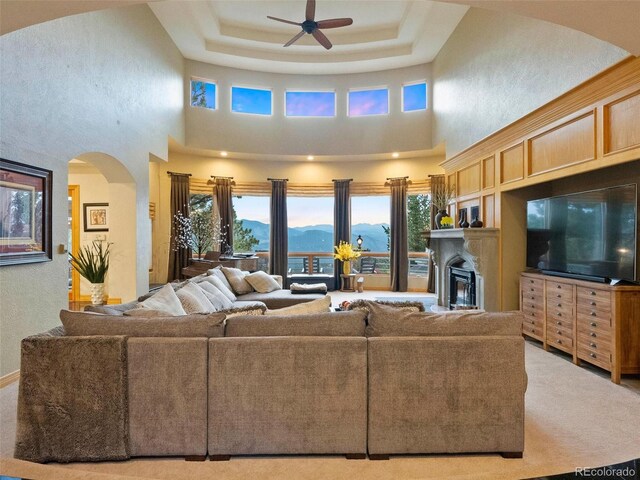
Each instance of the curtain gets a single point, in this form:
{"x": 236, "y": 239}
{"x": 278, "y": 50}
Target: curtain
{"x": 225, "y": 209}
{"x": 437, "y": 181}
{"x": 278, "y": 237}
{"x": 178, "y": 257}
{"x": 399, "y": 242}
{"x": 341, "y": 221}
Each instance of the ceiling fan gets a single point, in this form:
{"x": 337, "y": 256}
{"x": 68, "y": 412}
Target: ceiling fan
{"x": 313, "y": 27}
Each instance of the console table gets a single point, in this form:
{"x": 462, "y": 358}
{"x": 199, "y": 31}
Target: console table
{"x": 198, "y": 267}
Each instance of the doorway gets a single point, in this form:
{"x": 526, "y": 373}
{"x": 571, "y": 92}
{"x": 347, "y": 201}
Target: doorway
{"x": 73, "y": 241}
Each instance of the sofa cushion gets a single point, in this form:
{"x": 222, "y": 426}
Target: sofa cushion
{"x": 262, "y": 282}
{"x": 279, "y": 298}
{"x": 218, "y": 299}
{"x": 386, "y": 321}
{"x": 314, "y": 306}
{"x": 193, "y": 299}
{"x": 245, "y": 308}
{"x": 237, "y": 280}
{"x": 329, "y": 324}
{"x": 88, "y": 324}
{"x": 224, "y": 287}
{"x": 164, "y": 299}
{"x": 301, "y": 288}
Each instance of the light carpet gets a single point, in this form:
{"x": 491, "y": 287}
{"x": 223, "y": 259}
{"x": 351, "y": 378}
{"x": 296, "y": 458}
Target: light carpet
{"x": 574, "y": 418}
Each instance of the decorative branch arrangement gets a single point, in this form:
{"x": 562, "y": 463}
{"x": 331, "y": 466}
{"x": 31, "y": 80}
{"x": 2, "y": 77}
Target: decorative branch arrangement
{"x": 200, "y": 231}
{"x": 442, "y": 195}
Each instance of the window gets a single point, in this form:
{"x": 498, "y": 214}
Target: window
{"x": 251, "y": 224}
{"x": 414, "y": 97}
{"x": 418, "y": 218}
{"x": 203, "y": 94}
{"x": 370, "y": 218}
{"x": 251, "y": 100}
{"x": 310, "y": 104}
{"x": 310, "y": 224}
{"x": 368, "y": 102}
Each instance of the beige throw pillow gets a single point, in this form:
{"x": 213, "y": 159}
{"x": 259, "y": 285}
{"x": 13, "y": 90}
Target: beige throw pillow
{"x": 215, "y": 296}
{"x": 217, "y": 272}
{"x": 216, "y": 282}
{"x": 236, "y": 278}
{"x": 262, "y": 282}
{"x": 164, "y": 299}
{"x": 314, "y": 306}
{"x": 193, "y": 299}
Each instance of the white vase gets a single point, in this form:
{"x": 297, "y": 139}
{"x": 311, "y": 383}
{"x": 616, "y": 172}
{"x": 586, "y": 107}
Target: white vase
{"x": 97, "y": 293}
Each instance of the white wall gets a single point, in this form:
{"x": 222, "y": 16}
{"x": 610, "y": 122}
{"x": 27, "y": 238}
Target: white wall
{"x": 280, "y": 135}
{"x": 496, "y": 68}
{"x": 110, "y": 82}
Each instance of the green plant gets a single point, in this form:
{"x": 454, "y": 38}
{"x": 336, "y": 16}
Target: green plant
{"x": 92, "y": 261}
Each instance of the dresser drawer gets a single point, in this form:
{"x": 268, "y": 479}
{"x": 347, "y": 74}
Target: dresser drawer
{"x": 559, "y": 305}
{"x": 534, "y": 331}
{"x": 559, "y": 330}
{"x": 536, "y": 308}
{"x": 529, "y": 282}
{"x": 563, "y": 323}
{"x": 597, "y": 345}
{"x": 597, "y": 358}
{"x": 559, "y": 341}
{"x": 593, "y": 297}
{"x": 559, "y": 290}
{"x": 588, "y": 311}
{"x": 590, "y": 324}
{"x": 596, "y": 334}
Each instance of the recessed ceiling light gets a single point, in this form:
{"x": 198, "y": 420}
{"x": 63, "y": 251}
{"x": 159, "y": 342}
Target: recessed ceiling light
{"x": 395, "y": 154}
{"x": 309, "y": 157}
{"x": 223, "y": 154}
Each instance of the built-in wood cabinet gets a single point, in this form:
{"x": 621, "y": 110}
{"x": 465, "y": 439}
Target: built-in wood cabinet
{"x": 593, "y": 322}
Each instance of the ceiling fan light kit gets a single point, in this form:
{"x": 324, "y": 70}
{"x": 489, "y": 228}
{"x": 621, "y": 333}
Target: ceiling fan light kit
{"x": 312, "y": 27}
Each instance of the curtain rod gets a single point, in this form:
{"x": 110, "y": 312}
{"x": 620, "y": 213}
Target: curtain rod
{"x": 436, "y": 175}
{"x": 278, "y": 179}
{"x": 218, "y": 176}
{"x": 177, "y": 173}
{"x": 342, "y": 180}
{"x": 397, "y": 178}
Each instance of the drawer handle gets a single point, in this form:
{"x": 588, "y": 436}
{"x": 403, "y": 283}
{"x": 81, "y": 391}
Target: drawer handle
{"x": 531, "y": 289}
{"x": 559, "y": 341}
{"x": 594, "y": 324}
{"x": 559, "y": 314}
{"x": 593, "y": 345}
{"x": 593, "y": 355}
{"x": 593, "y": 334}
{"x": 559, "y": 323}
{"x": 533, "y": 298}
{"x": 559, "y": 296}
{"x": 593, "y": 314}
{"x": 559, "y": 305}
{"x": 559, "y": 332}
{"x": 531, "y": 281}
{"x": 592, "y": 292}
{"x": 533, "y": 329}
{"x": 593, "y": 304}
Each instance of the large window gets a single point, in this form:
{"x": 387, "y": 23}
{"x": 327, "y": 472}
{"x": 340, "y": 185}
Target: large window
{"x": 368, "y": 102}
{"x": 251, "y": 100}
{"x": 414, "y": 97}
{"x": 203, "y": 94}
{"x": 251, "y": 224}
{"x": 310, "y": 222}
{"x": 418, "y": 218}
{"x": 310, "y": 104}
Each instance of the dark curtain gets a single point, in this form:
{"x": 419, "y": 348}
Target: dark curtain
{"x": 178, "y": 257}
{"x": 278, "y": 237}
{"x": 225, "y": 209}
{"x": 437, "y": 181}
{"x": 341, "y": 221}
{"x": 398, "y": 244}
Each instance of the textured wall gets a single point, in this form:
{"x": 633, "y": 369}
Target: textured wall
{"x": 109, "y": 82}
{"x": 496, "y": 68}
{"x": 340, "y": 135}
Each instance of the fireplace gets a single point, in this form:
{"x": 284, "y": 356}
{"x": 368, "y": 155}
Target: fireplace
{"x": 462, "y": 288}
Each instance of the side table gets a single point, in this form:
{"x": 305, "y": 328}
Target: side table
{"x": 348, "y": 282}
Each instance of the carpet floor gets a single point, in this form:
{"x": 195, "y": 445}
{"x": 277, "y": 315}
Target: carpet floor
{"x": 574, "y": 418}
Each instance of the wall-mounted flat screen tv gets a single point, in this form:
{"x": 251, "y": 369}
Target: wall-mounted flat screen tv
{"x": 590, "y": 234}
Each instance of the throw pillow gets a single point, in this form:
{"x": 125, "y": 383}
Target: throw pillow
{"x": 83, "y": 324}
{"x": 193, "y": 299}
{"x": 217, "y": 272}
{"x": 236, "y": 278}
{"x": 220, "y": 285}
{"x": 252, "y": 310}
{"x": 262, "y": 282}
{"x": 215, "y": 296}
{"x": 164, "y": 299}
{"x": 319, "y": 305}
{"x": 402, "y": 305}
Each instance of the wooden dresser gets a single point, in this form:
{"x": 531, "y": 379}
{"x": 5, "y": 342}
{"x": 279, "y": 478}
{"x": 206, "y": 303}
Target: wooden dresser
{"x": 593, "y": 322}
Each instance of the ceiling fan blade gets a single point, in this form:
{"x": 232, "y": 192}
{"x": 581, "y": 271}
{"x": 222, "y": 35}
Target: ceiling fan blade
{"x": 322, "y": 39}
{"x": 284, "y": 21}
{"x": 311, "y": 9}
{"x": 294, "y": 39}
{"x": 335, "y": 22}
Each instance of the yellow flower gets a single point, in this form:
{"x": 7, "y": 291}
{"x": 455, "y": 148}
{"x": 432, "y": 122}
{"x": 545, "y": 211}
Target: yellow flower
{"x": 446, "y": 221}
{"x": 345, "y": 252}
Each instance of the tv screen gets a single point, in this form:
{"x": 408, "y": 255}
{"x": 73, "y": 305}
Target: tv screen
{"x": 589, "y": 233}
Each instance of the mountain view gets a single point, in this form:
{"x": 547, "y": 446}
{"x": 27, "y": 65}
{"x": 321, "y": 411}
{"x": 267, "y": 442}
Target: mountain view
{"x": 319, "y": 238}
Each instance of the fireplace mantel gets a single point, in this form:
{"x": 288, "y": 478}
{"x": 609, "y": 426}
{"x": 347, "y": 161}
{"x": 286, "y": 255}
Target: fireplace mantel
{"x": 477, "y": 245}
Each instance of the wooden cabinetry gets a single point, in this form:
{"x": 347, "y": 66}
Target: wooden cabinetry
{"x": 593, "y": 322}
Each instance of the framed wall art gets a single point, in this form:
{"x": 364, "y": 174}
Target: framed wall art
{"x": 25, "y": 213}
{"x": 96, "y": 217}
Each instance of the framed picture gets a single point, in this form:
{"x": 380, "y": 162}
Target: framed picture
{"x": 96, "y": 217}
{"x": 25, "y": 213}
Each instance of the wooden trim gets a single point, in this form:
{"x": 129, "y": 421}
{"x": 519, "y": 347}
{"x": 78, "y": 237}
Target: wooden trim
{"x": 74, "y": 193}
{"x": 9, "y": 378}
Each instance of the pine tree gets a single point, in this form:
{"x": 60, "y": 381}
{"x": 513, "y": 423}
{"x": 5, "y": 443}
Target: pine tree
{"x": 418, "y": 215}
{"x": 243, "y": 239}
{"x": 198, "y": 94}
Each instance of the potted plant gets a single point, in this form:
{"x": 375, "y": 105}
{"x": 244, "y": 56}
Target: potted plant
{"x": 441, "y": 196}
{"x": 92, "y": 263}
{"x": 345, "y": 253}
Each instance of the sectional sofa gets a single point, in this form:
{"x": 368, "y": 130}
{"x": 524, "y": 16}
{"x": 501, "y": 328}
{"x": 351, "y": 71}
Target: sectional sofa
{"x": 378, "y": 382}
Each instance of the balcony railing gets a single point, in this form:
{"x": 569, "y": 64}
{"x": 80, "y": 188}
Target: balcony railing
{"x": 369, "y": 263}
